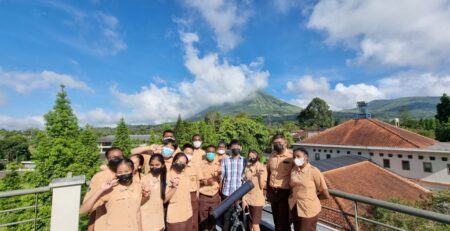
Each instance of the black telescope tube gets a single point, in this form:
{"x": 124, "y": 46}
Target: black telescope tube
{"x": 230, "y": 200}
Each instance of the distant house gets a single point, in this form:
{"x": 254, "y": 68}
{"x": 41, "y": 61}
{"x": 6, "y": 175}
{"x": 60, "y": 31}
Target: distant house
{"x": 105, "y": 142}
{"x": 406, "y": 153}
{"x": 358, "y": 175}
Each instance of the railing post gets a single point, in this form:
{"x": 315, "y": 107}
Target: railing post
{"x": 356, "y": 215}
{"x": 66, "y": 203}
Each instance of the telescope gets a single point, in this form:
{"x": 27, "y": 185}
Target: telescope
{"x": 230, "y": 200}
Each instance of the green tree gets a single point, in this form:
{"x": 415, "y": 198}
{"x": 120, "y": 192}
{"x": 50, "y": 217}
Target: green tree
{"x": 154, "y": 139}
{"x": 214, "y": 119}
{"x": 122, "y": 137}
{"x": 14, "y": 147}
{"x": 316, "y": 115}
{"x": 443, "y": 109}
{"x": 178, "y": 124}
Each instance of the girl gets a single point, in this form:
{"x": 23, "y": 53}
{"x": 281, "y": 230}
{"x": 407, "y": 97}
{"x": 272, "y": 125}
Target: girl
{"x": 138, "y": 162}
{"x": 121, "y": 197}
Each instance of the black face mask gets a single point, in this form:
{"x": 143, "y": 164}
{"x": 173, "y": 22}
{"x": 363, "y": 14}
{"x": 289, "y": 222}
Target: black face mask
{"x": 235, "y": 151}
{"x": 125, "y": 178}
{"x": 252, "y": 160}
{"x": 156, "y": 171}
{"x": 112, "y": 164}
{"x": 179, "y": 167}
{"x": 278, "y": 148}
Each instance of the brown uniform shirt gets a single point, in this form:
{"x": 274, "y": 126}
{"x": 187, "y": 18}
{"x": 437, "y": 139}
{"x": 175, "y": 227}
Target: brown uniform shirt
{"x": 152, "y": 147}
{"x": 96, "y": 182}
{"x": 210, "y": 170}
{"x": 280, "y": 166}
{"x": 195, "y": 175}
{"x": 123, "y": 208}
{"x": 221, "y": 157}
{"x": 305, "y": 186}
{"x": 256, "y": 196}
{"x": 152, "y": 211}
{"x": 180, "y": 207}
{"x": 197, "y": 156}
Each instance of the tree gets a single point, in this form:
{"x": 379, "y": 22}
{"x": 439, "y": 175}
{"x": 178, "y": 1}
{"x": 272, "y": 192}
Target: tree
{"x": 14, "y": 147}
{"x": 443, "y": 109}
{"x": 214, "y": 119}
{"x": 316, "y": 115}
{"x": 178, "y": 124}
{"x": 154, "y": 139}
{"x": 122, "y": 137}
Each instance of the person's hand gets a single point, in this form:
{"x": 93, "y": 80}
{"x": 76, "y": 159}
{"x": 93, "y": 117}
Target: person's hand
{"x": 244, "y": 204}
{"x": 146, "y": 189}
{"x": 174, "y": 181}
{"x": 204, "y": 182}
{"x": 260, "y": 171}
{"x": 108, "y": 185}
{"x": 210, "y": 181}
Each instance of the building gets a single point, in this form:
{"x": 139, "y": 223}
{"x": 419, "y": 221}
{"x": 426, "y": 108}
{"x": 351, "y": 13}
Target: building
{"x": 406, "y": 153}
{"x": 358, "y": 175}
{"x": 105, "y": 142}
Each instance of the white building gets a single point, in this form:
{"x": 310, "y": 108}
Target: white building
{"x": 105, "y": 142}
{"x": 408, "y": 154}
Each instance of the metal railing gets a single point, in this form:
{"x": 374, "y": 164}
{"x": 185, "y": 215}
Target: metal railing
{"x": 16, "y": 193}
{"x": 358, "y": 199}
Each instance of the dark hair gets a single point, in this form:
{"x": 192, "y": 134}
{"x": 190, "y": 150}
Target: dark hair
{"x": 168, "y": 131}
{"x": 178, "y": 156}
{"x": 210, "y": 146}
{"x": 112, "y": 149}
{"x": 141, "y": 161}
{"x": 163, "y": 176}
{"x": 258, "y": 157}
{"x": 301, "y": 150}
{"x": 278, "y": 136}
{"x": 234, "y": 142}
{"x": 222, "y": 142}
{"x": 187, "y": 146}
{"x": 125, "y": 161}
{"x": 196, "y": 135}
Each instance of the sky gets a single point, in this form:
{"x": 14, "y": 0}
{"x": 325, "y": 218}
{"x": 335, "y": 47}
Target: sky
{"x": 149, "y": 61}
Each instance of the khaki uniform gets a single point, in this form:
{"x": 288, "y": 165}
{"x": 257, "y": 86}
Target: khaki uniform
{"x": 195, "y": 175}
{"x": 140, "y": 150}
{"x": 210, "y": 170}
{"x": 305, "y": 185}
{"x": 122, "y": 204}
{"x": 179, "y": 208}
{"x": 96, "y": 182}
{"x": 152, "y": 211}
{"x": 221, "y": 157}
{"x": 280, "y": 166}
{"x": 256, "y": 196}
{"x": 198, "y": 156}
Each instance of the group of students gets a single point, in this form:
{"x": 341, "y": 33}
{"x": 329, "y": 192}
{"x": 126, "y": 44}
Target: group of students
{"x": 167, "y": 187}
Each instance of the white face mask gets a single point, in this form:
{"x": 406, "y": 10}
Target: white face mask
{"x": 197, "y": 144}
{"x": 189, "y": 157}
{"x": 221, "y": 151}
{"x": 299, "y": 161}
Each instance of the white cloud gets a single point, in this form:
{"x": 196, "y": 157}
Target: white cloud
{"x": 99, "y": 117}
{"x": 15, "y": 123}
{"x": 23, "y": 82}
{"x": 392, "y": 33}
{"x": 341, "y": 96}
{"x": 225, "y": 17}
{"x": 284, "y": 6}
{"x": 215, "y": 82}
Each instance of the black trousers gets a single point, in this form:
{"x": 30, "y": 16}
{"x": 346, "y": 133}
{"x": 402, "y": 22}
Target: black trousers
{"x": 225, "y": 221}
{"x": 280, "y": 208}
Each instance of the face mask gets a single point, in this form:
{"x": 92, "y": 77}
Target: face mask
{"x": 167, "y": 152}
{"x": 125, "y": 178}
{"x": 235, "y": 151}
{"x": 179, "y": 167}
{"x": 197, "y": 144}
{"x": 221, "y": 151}
{"x": 210, "y": 156}
{"x": 189, "y": 157}
{"x": 278, "y": 147}
{"x": 156, "y": 171}
{"x": 299, "y": 161}
{"x": 112, "y": 164}
{"x": 252, "y": 160}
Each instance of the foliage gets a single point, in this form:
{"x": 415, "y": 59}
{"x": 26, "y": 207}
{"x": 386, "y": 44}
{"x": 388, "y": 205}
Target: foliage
{"x": 122, "y": 138}
{"x": 443, "y": 109}
{"x": 14, "y": 147}
{"x": 154, "y": 139}
{"x": 316, "y": 115}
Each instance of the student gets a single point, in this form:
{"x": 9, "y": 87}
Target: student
{"x": 122, "y": 199}
{"x": 195, "y": 174}
{"x": 152, "y": 211}
{"x": 308, "y": 188}
{"x": 209, "y": 188}
{"x": 279, "y": 169}
{"x": 221, "y": 151}
{"x": 199, "y": 153}
{"x": 179, "y": 210}
{"x": 97, "y": 219}
{"x": 138, "y": 162}
{"x": 254, "y": 200}
{"x": 167, "y": 151}
{"x": 232, "y": 170}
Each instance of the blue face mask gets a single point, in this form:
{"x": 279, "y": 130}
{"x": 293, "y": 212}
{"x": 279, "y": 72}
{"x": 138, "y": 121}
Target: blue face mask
{"x": 210, "y": 156}
{"x": 167, "y": 152}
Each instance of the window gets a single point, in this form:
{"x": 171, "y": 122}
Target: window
{"x": 444, "y": 159}
{"x": 328, "y": 156}
{"x": 409, "y": 156}
{"x": 386, "y": 163}
{"x": 448, "y": 169}
{"x": 420, "y": 157}
{"x": 371, "y": 154}
{"x": 399, "y": 155}
{"x": 317, "y": 156}
{"x": 314, "y": 150}
{"x": 405, "y": 165}
{"x": 432, "y": 158}
{"x": 359, "y": 153}
{"x": 348, "y": 152}
{"x": 390, "y": 155}
{"x": 338, "y": 151}
{"x": 427, "y": 167}
{"x": 324, "y": 150}
{"x": 320, "y": 150}
{"x": 381, "y": 154}
{"x": 331, "y": 151}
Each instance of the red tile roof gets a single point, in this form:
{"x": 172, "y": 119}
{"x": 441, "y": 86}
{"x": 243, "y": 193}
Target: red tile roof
{"x": 370, "y": 132}
{"x": 366, "y": 179}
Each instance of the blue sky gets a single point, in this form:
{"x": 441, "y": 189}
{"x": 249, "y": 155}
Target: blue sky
{"x": 149, "y": 61}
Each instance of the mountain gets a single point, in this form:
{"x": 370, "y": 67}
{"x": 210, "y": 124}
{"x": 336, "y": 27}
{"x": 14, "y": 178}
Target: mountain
{"x": 260, "y": 104}
{"x": 417, "y": 107}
